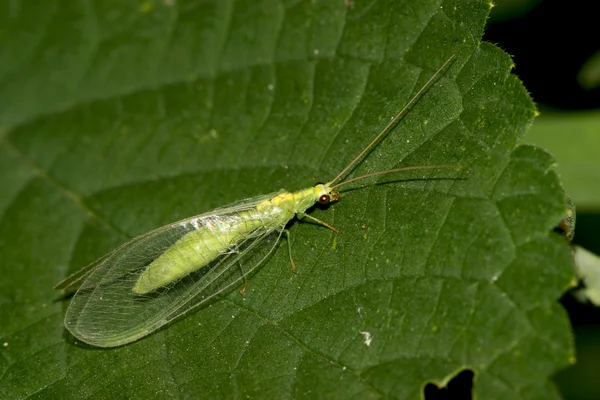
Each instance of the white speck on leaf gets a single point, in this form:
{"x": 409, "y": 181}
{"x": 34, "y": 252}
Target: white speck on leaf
{"x": 368, "y": 337}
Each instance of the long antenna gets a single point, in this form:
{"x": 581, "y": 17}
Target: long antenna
{"x": 389, "y": 171}
{"x": 392, "y": 123}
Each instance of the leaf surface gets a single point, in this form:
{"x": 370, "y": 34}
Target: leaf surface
{"x": 120, "y": 119}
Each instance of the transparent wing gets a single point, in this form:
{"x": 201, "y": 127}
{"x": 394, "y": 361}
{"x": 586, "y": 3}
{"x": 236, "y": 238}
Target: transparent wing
{"x": 73, "y": 281}
{"x": 105, "y": 311}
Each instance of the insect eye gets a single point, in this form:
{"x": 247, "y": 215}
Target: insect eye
{"x": 324, "y": 199}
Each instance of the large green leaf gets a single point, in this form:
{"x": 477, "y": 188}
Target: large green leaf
{"x": 119, "y": 119}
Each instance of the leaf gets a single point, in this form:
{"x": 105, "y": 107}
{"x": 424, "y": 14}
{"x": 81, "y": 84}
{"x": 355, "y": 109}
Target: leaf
{"x": 573, "y": 140}
{"x": 587, "y": 267}
{"x": 124, "y": 118}
{"x": 589, "y": 74}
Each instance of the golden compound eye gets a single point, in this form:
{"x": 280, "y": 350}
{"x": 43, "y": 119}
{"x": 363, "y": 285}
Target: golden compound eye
{"x": 324, "y": 199}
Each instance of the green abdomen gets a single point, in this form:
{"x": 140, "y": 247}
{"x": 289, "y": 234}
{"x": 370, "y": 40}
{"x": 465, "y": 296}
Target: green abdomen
{"x": 196, "y": 249}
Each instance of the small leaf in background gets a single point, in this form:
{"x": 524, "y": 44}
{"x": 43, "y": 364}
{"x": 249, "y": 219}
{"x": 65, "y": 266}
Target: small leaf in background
{"x": 589, "y": 74}
{"x": 573, "y": 140}
{"x": 120, "y": 119}
{"x": 587, "y": 266}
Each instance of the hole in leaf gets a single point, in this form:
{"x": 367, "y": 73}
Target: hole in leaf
{"x": 459, "y": 388}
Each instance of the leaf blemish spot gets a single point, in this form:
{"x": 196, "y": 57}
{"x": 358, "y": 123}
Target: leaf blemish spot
{"x": 368, "y": 337}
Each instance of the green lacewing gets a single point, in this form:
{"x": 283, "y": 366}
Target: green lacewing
{"x": 158, "y": 276}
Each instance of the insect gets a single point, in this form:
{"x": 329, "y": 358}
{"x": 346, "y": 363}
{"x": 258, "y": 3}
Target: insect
{"x": 161, "y": 275}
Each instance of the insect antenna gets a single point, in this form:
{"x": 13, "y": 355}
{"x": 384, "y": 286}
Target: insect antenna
{"x": 389, "y": 127}
{"x": 390, "y": 171}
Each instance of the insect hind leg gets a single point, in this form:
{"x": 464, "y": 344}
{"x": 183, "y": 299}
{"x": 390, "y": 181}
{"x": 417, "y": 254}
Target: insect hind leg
{"x": 289, "y": 242}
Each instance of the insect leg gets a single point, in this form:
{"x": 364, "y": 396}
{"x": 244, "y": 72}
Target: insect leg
{"x": 318, "y": 221}
{"x": 245, "y": 286}
{"x": 287, "y": 234}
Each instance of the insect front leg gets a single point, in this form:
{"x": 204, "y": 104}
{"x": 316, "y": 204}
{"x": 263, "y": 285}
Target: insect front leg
{"x": 318, "y": 221}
